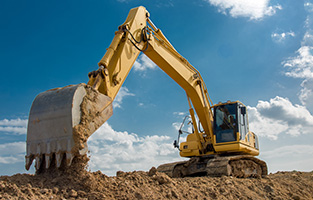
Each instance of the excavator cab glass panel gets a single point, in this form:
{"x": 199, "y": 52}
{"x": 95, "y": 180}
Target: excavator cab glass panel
{"x": 225, "y": 123}
{"x": 256, "y": 144}
{"x": 243, "y": 122}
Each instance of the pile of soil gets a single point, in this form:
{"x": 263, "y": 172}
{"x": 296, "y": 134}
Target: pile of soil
{"x": 77, "y": 183}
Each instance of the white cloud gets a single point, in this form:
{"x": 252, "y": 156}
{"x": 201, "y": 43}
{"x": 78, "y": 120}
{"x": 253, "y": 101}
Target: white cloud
{"x": 287, "y": 158}
{"x": 281, "y": 37}
{"x": 112, "y": 151}
{"x": 307, "y": 39}
{"x": 11, "y": 159}
{"x": 301, "y": 66}
{"x": 254, "y": 10}
{"x": 123, "y": 92}
{"x": 180, "y": 114}
{"x": 144, "y": 63}
{"x": 279, "y": 116}
{"x": 306, "y": 94}
{"x": 12, "y": 148}
{"x": 15, "y": 126}
{"x": 11, "y": 153}
{"x": 15, "y": 130}
{"x": 282, "y": 108}
{"x": 14, "y": 122}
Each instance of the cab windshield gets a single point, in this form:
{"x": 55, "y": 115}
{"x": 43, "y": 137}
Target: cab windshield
{"x": 225, "y": 123}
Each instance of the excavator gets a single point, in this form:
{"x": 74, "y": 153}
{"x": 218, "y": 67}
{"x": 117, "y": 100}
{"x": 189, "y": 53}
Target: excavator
{"x": 62, "y": 119}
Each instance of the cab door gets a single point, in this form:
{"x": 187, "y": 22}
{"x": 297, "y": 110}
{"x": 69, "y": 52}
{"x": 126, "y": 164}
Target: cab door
{"x": 226, "y": 123}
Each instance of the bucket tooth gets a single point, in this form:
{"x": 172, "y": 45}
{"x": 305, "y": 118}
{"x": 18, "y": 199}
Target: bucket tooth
{"x": 69, "y": 155}
{"x": 48, "y": 160}
{"x": 38, "y": 157}
{"x": 29, "y": 161}
{"x": 48, "y": 155}
{"x": 38, "y": 162}
{"x": 59, "y": 154}
{"x": 59, "y": 157}
{"x": 69, "y": 159}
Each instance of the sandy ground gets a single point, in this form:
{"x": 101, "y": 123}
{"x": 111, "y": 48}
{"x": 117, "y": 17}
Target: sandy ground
{"x": 77, "y": 183}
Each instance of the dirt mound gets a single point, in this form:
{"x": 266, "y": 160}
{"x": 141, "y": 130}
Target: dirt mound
{"x": 78, "y": 183}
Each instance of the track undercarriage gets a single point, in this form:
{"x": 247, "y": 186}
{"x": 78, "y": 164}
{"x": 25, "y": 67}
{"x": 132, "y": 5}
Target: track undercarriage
{"x": 241, "y": 166}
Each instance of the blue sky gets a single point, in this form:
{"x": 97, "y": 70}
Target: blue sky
{"x": 258, "y": 52}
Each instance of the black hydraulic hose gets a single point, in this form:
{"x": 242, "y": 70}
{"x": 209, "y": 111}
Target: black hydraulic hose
{"x": 142, "y": 38}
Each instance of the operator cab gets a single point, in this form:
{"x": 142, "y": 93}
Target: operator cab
{"x": 230, "y": 119}
{"x": 230, "y": 133}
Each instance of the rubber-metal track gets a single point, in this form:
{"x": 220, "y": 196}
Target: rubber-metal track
{"x": 235, "y": 165}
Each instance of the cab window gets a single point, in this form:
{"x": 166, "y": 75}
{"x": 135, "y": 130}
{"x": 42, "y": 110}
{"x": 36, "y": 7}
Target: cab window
{"x": 225, "y": 123}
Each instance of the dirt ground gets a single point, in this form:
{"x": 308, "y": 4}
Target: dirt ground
{"x": 77, "y": 183}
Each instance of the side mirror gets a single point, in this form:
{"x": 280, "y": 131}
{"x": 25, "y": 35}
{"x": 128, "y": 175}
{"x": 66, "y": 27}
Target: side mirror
{"x": 243, "y": 110}
{"x": 175, "y": 144}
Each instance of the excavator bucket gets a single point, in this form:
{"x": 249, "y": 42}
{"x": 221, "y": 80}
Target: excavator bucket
{"x": 60, "y": 122}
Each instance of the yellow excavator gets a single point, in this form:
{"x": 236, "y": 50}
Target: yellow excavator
{"x": 62, "y": 119}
